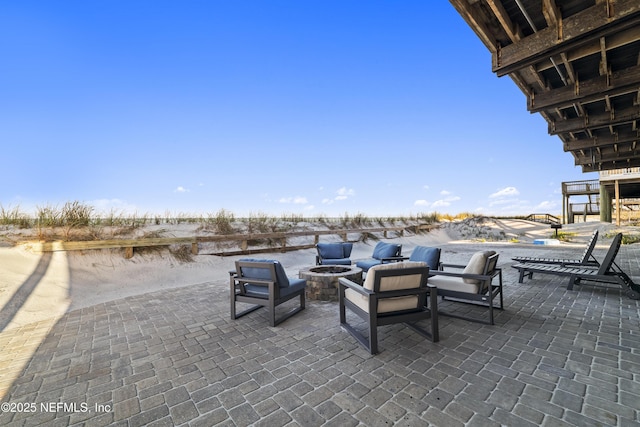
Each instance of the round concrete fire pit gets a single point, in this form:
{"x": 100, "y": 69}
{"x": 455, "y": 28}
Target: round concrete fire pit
{"x": 322, "y": 280}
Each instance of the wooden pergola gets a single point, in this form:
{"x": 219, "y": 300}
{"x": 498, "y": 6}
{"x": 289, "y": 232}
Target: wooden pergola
{"x": 578, "y": 63}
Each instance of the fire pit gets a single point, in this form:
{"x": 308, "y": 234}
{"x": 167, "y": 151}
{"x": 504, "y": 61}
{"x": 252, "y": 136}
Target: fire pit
{"x": 322, "y": 280}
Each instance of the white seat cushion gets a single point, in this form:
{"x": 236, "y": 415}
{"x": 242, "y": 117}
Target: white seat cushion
{"x": 393, "y": 283}
{"x": 453, "y": 284}
{"x": 385, "y": 305}
{"x": 476, "y": 265}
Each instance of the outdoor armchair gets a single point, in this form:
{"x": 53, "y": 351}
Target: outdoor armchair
{"x": 382, "y": 253}
{"x": 264, "y": 283}
{"x": 334, "y": 253}
{"x": 471, "y": 283}
{"x": 391, "y": 293}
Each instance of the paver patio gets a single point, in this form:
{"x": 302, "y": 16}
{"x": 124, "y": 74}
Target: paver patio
{"x": 555, "y": 357}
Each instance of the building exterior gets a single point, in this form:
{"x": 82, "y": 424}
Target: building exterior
{"x": 614, "y": 196}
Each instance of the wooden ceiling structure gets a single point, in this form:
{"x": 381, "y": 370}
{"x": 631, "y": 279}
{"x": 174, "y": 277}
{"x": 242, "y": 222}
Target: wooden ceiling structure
{"x": 578, "y": 63}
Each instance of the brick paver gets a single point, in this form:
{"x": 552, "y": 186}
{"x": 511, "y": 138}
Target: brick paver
{"x": 555, "y": 357}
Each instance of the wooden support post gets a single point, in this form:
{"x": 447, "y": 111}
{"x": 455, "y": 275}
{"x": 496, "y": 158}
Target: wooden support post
{"x": 617, "y": 203}
{"x": 244, "y": 245}
{"x": 284, "y": 244}
{"x": 343, "y": 236}
{"x": 194, "y": 248}
{"x": 128, "y": 252}
{"x": 316, "y": 239}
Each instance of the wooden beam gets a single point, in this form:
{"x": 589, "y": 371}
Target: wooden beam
{"x": 604, "y": 65}
{"x": 597, "y": 121}
{"x": 587, "y": 159}
{"x": 477, "y": 25}
{"x": 602, "y": 166}
{"x": 503, "y": 17}
{"x": 115, "y": 243}
{"x": 579, "y": 29}
{"x": 614, "y": 84}
{"x": 614, "y": 41}
{"x": 601, "y": 141}
{"x": 553, "y": 16}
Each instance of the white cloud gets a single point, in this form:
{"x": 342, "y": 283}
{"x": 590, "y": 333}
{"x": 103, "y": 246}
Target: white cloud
{"x": 438, "y": 203}
{"x": 426, "y": 187}
{"x": 546, "y": 206}
{"x": 181, "y": 189}
{"x": 445, "y": 192}
{"x": 445, "y": 202}
{"x": 298, "y": 200}
{"x": 344, "y": 191}
{"x": 505, "y": 192}
{"x": 327, "y": 201}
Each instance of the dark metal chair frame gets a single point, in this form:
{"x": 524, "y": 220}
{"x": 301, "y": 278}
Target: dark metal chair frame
{"x": 274, "y": 299}
{"x": 375, "y": 319}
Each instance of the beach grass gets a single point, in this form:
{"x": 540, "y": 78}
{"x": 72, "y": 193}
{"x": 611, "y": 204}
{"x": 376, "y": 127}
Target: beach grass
{"x": 81, "y": 221}
{"x": 76, "y": 220}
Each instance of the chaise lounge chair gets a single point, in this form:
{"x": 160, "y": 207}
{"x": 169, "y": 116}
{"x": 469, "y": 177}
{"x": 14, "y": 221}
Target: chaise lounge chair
{"x": 587, "y": 257}
{"x": 608, "y": 272}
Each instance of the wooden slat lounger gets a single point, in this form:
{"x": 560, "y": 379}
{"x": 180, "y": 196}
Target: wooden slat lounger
{"x": 587, "y": 256}
{"x": 608, "y": 272}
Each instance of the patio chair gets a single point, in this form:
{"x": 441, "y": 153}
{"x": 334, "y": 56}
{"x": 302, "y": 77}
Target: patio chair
{"x": 391, "y": 293}
{"x": 607, "y": 273}
{"x": 428, "y": 255}
{"x": 334, "y": 253}
{"x": 471, "y": 283}
{"x": 382, "y": 253}
{"x": 264, "y": 283}
{"x": 587, "y": 256}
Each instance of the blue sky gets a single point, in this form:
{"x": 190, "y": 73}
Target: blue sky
{"x": 281, "y": 106}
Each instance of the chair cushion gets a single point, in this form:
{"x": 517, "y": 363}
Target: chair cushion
{"x": 426, "y": 254}
{"x": 264, "y": 273}
{"x": 295, "y": 285}
{"x": 476, "y": 265}
{"x": 394, "y": 282}
{"x": 347, "y": 247}
{"x": 263, "y": 292}
{"x": 453, "y": 284}
{"x": 385, "y": 305}
{"x": 330, "y": 250}
{"x": 386, "y": 250}
{"x": 366, "y": 264}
